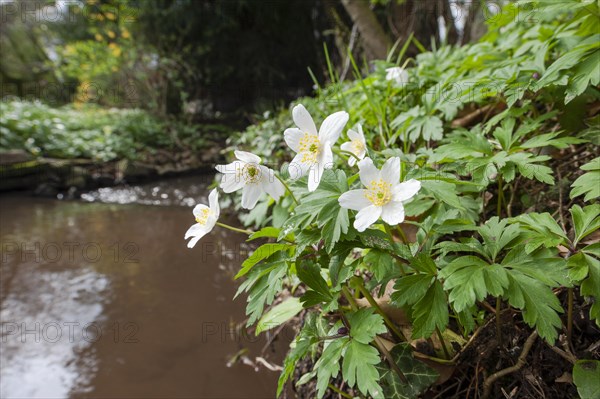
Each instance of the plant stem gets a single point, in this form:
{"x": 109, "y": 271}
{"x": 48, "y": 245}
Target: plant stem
{"x": 375, "y": 305}
{"x": 339, "y": 391}
{"x": 235, "y": 228}
{"x": 390, "y": 359}
{"x": 349, "y": 297}
{"x": 402, "y": 235}
{"x": 378, "y": 343}
{"x": 443, "y": 342}
{"x": 498, "y": 321}
{"x": 500, "y": 196}
{"x": 287, "y": 188}
{"x": 342, "y": 152}
{"x": 569, "y": 314}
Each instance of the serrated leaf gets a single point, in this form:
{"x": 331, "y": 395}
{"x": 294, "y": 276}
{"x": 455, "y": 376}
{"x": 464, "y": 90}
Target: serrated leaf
{"x": 586, "y": 220}
{"x": 358, "y": 368}
{"x": 539, "y": 304}
{"x": 279, "y": 314}
{"x": 261, "y": 253}
{"x": 430, "y": 312}
{"x": 365, "y": 324}
{"x": 328, "y": 365}
{"x": 591, "y": 287}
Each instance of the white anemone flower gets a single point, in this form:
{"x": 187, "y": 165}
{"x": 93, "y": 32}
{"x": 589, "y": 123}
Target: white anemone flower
{"x": 357, "y": 145}
{"x": 248, "y": 174}
{"x": 206, "y": 218}
{"x": 383, "y": 196}
{"x": 397, "y": 74}
{"x": 313, "y": 148}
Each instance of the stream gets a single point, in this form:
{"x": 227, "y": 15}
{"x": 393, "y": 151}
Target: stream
{"x": 101, "y": 298}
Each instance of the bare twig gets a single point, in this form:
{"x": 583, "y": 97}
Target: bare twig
{"x": 489, "y": 381}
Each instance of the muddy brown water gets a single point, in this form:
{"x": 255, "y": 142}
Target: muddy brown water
{"x": 104, "y": 299}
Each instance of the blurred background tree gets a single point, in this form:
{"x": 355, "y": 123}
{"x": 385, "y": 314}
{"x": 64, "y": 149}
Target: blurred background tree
{"x": 211, "y": 59}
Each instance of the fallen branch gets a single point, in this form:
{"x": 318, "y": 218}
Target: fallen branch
{"x": 489, "y": 381}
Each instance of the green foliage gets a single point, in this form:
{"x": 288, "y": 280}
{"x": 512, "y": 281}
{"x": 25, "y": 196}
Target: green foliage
{"x": 419, "y": 375}
{"x": 473, "y": 235}
{"x": 586, "y": 376}
{"x": 92, "y": 132}
{"x": 589, "y": 182}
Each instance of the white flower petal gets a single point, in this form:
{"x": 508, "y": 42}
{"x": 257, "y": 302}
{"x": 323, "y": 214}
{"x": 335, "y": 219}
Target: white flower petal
{"x": 332, "y": 127}
{"x": 231, "y": 182}
{"x": 367, "y": 171}
{"x": 393, "y": 213}
{"x": 297, "y": 168}
{"x": 366, "y": 217}
{"x": 213, "y": 202}
{"x": 292, "y": 138}
{"x": 352, "y": 135}
{"x": 354, "y": 199}
{"x": 303, "y": 120}
{"x": 271, "y": 184}
{"x": 247, "y": 157}
{"x": 199, "y": 208}
{"x": 326, "y": 156}
{"x": 390, "y": 172}
{"x": 195, "y": 240}
{"x": 314, "y": 176}
{"x": 230, "y": 167}
{"x": 194, "y": 230}
{"x": 406, "y": 190}
{"x": 347, "y": 146}
{"x": 250, "y": 195}
{"x": 361, "y": 134}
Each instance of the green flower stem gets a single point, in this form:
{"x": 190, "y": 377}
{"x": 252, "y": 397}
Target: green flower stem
{"x": 349, "y": 297}
{"x": 402, "y": 235}
{"x": 569, "y": 314}
{"x": 378, "y": 343}
{"x": 348, "y": 153}
{"x": 249, "y": 232}
{"x": 375, "y": 305}
{"x": 339, "y": 391}
{"x": 443, "y": 342}
{"x": 287, "y": 188}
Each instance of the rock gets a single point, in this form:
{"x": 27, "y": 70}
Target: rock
{"x": 14, "y": 156}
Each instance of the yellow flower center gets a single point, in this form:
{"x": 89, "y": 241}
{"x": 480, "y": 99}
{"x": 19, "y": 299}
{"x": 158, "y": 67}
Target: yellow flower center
{"x": 357, "y": 146}
{"x": 203, "y": 217}
{"x": 379, "y": 192}
{"x": 309, "y": 147}
{"x": 251, "y": 173}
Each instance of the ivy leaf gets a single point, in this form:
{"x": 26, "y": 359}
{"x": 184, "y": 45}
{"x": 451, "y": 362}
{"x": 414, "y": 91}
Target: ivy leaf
{"x": 365, "y": 324}
{"x": 588, "y": 183}
{"x": 419, "y": 375}
{"x": 586, "y": 376}
{"x": 358, "y": 368}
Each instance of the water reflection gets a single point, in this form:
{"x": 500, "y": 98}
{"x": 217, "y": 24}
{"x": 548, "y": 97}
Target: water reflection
{"x": 139, "y": 314}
